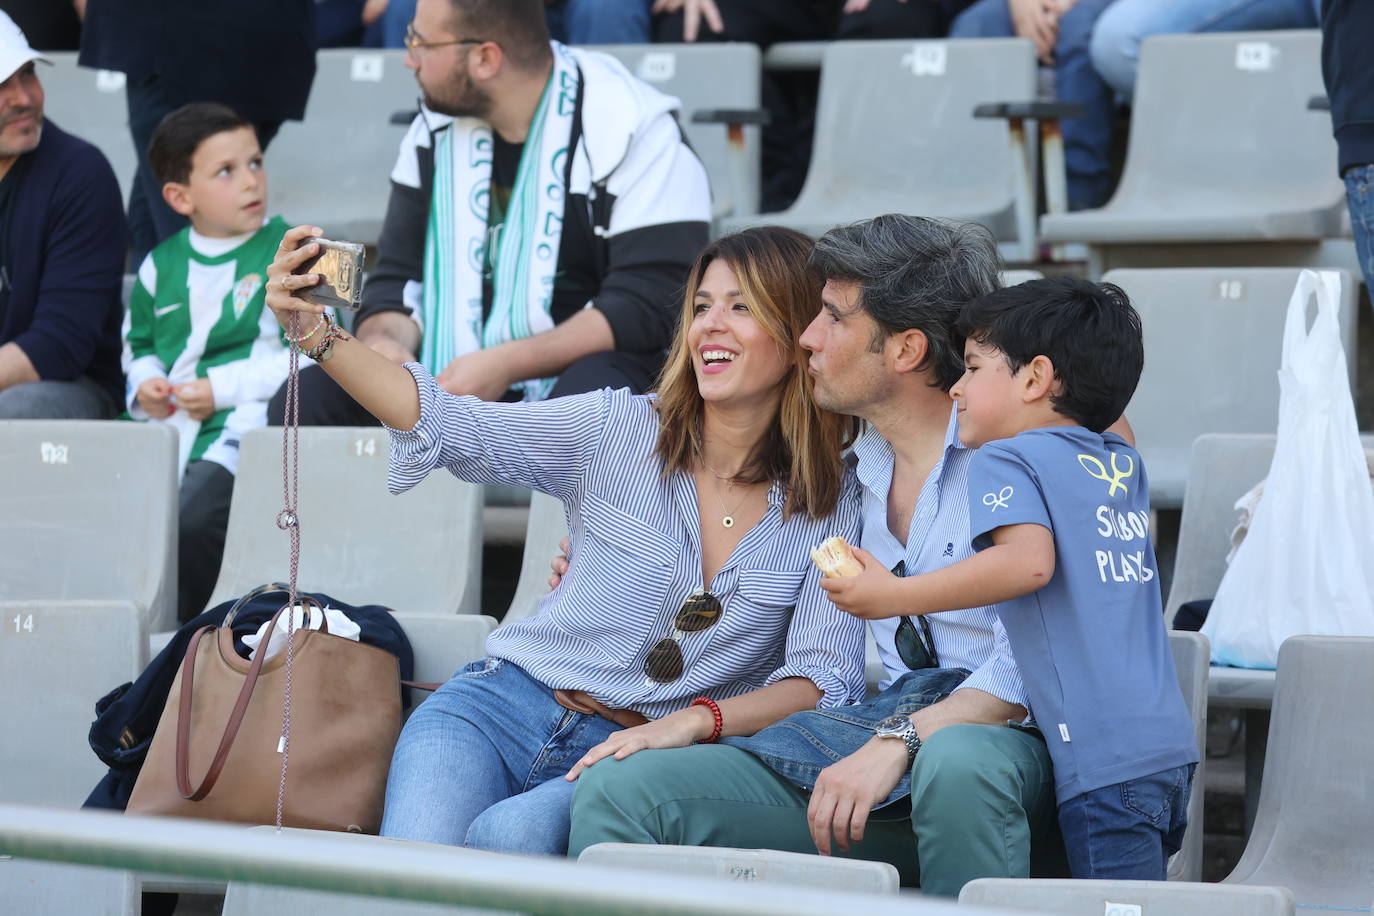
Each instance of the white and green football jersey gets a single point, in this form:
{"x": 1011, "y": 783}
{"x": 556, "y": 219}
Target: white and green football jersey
{"x": 197, "y": 312}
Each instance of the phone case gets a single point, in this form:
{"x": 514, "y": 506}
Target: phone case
{"x": 341, "y": 266}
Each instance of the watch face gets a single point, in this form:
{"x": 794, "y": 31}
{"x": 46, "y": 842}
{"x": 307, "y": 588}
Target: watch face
{"x": 893, "y": 725}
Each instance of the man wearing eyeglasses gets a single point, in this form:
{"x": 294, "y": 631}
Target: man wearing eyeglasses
{"x": 936, "y": 773}
{"x": 544, "y": 210}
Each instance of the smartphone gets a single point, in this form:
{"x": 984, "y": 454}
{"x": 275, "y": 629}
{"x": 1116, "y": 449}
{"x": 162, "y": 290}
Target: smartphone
{"x": 340, "y": 264}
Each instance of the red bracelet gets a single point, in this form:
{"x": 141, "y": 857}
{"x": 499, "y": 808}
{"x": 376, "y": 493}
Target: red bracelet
{"x": 715, "y": 714}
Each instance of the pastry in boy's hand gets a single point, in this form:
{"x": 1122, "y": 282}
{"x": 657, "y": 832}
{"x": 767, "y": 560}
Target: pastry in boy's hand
{"x": 835, "y": 559}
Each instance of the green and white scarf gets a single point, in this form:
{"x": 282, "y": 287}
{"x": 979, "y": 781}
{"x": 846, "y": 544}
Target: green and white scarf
{"x": 526, "y": 247}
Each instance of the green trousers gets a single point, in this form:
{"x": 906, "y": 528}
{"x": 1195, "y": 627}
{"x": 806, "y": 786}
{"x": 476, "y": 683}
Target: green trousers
{"x": 982, "y": 806}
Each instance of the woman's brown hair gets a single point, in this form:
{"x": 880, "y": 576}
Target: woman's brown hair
{"x": 803, "y": 447}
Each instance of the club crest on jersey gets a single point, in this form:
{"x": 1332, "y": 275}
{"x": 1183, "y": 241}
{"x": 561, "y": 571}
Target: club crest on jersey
{"x": 244, "y": 291}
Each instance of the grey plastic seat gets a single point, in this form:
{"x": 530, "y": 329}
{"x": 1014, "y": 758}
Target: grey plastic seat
{"x": 1192, "y": 655}
{"x": 1017, "y": 277}
{"x": 765, "y": 865}
{"x": 333, "y": 168}
{"x": 420, "y": 552}
{"x": 1223, "y": 147}
{"x": 1312, "y": 829}
{"x": 244, "y": 899}
{"x": 895, "y": 132}
{"x": 1213, "y": 343}
{"x": 33, "y": 888}
{"x": 91, "y": 105}
{"x": 548, "y": 524}
{"x": 443, "y": 643}
{"x": 88, "y": 511}
{"x": 708, "y": 77}
{"x": 1068, "y": 897}
{"x": 56, "y": 659}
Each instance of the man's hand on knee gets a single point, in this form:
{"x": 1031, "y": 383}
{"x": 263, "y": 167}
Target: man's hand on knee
{"x": 848, "y": 790}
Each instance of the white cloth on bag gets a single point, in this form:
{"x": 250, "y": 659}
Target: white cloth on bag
{"x": 340, "y": 625}
{"x": 1307, "y": 563}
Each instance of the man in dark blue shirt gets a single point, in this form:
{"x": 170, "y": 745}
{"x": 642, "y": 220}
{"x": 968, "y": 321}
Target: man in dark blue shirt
{"x": 62, "y": 247}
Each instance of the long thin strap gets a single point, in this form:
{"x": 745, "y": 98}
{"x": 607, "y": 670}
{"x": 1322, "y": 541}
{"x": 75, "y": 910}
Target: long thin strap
{"x": 231, "y": 728}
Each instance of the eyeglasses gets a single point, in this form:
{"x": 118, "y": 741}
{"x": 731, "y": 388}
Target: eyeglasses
{"x": 664, "y": 663}
{"x": 414, "y": 42}
{"x": 915, "y": 649}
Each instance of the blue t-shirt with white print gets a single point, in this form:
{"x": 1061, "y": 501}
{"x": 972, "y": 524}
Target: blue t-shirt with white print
{"x": 1091, "y": 644}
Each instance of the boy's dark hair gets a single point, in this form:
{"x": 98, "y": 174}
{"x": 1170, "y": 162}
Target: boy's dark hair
{"x": 182, "y": 132}
{"x": 1089, "y": 331}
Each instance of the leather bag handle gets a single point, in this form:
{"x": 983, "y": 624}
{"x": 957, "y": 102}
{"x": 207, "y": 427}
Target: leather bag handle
{"x": 231, "y": 728}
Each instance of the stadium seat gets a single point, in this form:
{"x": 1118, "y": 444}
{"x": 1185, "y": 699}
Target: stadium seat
{"x": 420, "y": 552}
{"x": 1191, "y": 658}
{"x": 90, "y": 104}
{"x": 1312, "y": 830}
{"x": 443, "y": 643}
{"x": 1068, "y": 897}
{"x": 56, "y": 659}
{"x": 548, "y": 525}
{"x": 32, "y": 888}
{"x": 255, "y": 899}
{"x": 1213, "y": 343}
{"x": 88, "y": 511}
{"x": 1017, "y": 277}
{"x": 333, "y": 169}
{"x": 1222, "y": 149}
{"x": 914, "y": 146}
{"x": 708, "y": 77}
{"x": 790, "y": 868}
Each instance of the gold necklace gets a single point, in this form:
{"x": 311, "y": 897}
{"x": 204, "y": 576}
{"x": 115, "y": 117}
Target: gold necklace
{"x": 729, "y": 520}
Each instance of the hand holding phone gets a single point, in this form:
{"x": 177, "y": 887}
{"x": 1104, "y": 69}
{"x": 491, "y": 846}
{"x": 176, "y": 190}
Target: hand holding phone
{"x": 340, "y": 266}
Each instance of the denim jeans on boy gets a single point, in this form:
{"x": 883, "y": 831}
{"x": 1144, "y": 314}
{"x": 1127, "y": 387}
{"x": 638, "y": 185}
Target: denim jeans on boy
{"x": 1359, "y": 197}
{"x": 1087, "y": 140}
{"x": 1117, "y": 37}
{"x": 1128, "y": 831}
{"x": 481, "y": 764}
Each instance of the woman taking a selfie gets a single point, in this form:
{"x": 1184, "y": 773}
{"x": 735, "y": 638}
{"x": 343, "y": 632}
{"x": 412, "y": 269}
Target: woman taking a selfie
{"x": 690, "y": 609}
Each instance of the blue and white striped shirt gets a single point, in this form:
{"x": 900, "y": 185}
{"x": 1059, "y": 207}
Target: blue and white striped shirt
{"x": 938, "y": 536}
{"x": 635, "y": 555}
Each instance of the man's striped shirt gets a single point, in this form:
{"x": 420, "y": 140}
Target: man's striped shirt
{"x": 938, "y": 536}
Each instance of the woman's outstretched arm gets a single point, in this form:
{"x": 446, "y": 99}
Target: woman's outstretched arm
{"x": 383, "y": 388}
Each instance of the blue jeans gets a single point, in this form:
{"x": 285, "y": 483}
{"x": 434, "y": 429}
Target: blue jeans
{"x": 1359, "y": 197}
{"x": 599, "y": 22}
{"x": 1116, "y": 40}
{"x": 481, "y": 764}
{"x": 1087, "y": 140}
{"x": 1128, "y": 831}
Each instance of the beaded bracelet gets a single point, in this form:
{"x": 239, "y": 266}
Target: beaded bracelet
{"x": 715, "y": 714}
{"x": 308, "y": 334}
{"x": 324, "y": 349}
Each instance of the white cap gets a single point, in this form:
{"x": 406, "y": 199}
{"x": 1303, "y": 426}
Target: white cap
{"x": 14, "y": 48}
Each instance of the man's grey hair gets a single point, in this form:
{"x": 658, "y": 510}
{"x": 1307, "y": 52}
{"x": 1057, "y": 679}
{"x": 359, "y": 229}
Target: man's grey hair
{"x": 914, "y": 272}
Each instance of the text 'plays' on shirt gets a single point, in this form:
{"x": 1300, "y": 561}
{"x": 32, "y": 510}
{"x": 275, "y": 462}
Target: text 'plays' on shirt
{"x": 1091, "y": 645}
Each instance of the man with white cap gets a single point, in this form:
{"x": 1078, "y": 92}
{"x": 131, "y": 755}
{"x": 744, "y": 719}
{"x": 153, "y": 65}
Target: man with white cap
{"x": 62, "y": 248}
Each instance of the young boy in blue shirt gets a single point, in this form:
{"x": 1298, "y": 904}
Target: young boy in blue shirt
{"x": 1059, "y": 512}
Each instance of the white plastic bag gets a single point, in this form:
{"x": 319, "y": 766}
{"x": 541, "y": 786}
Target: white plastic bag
{"x": 1305, "y": 566}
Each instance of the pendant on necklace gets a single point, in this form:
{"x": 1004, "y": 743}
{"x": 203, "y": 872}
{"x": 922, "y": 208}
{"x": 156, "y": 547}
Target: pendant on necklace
{"x": 728, "y": 521}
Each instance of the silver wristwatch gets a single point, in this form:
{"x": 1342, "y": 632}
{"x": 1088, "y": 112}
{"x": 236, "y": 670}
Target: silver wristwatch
{"x": 903, "y": 728}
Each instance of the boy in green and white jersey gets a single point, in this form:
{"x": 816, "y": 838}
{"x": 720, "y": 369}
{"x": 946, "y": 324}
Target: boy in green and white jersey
{"x": 200, "y": 351}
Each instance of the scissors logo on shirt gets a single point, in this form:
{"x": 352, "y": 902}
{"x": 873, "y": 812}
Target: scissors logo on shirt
{"x": 999, "y": 499}
{"x": 1096, "y": 468}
